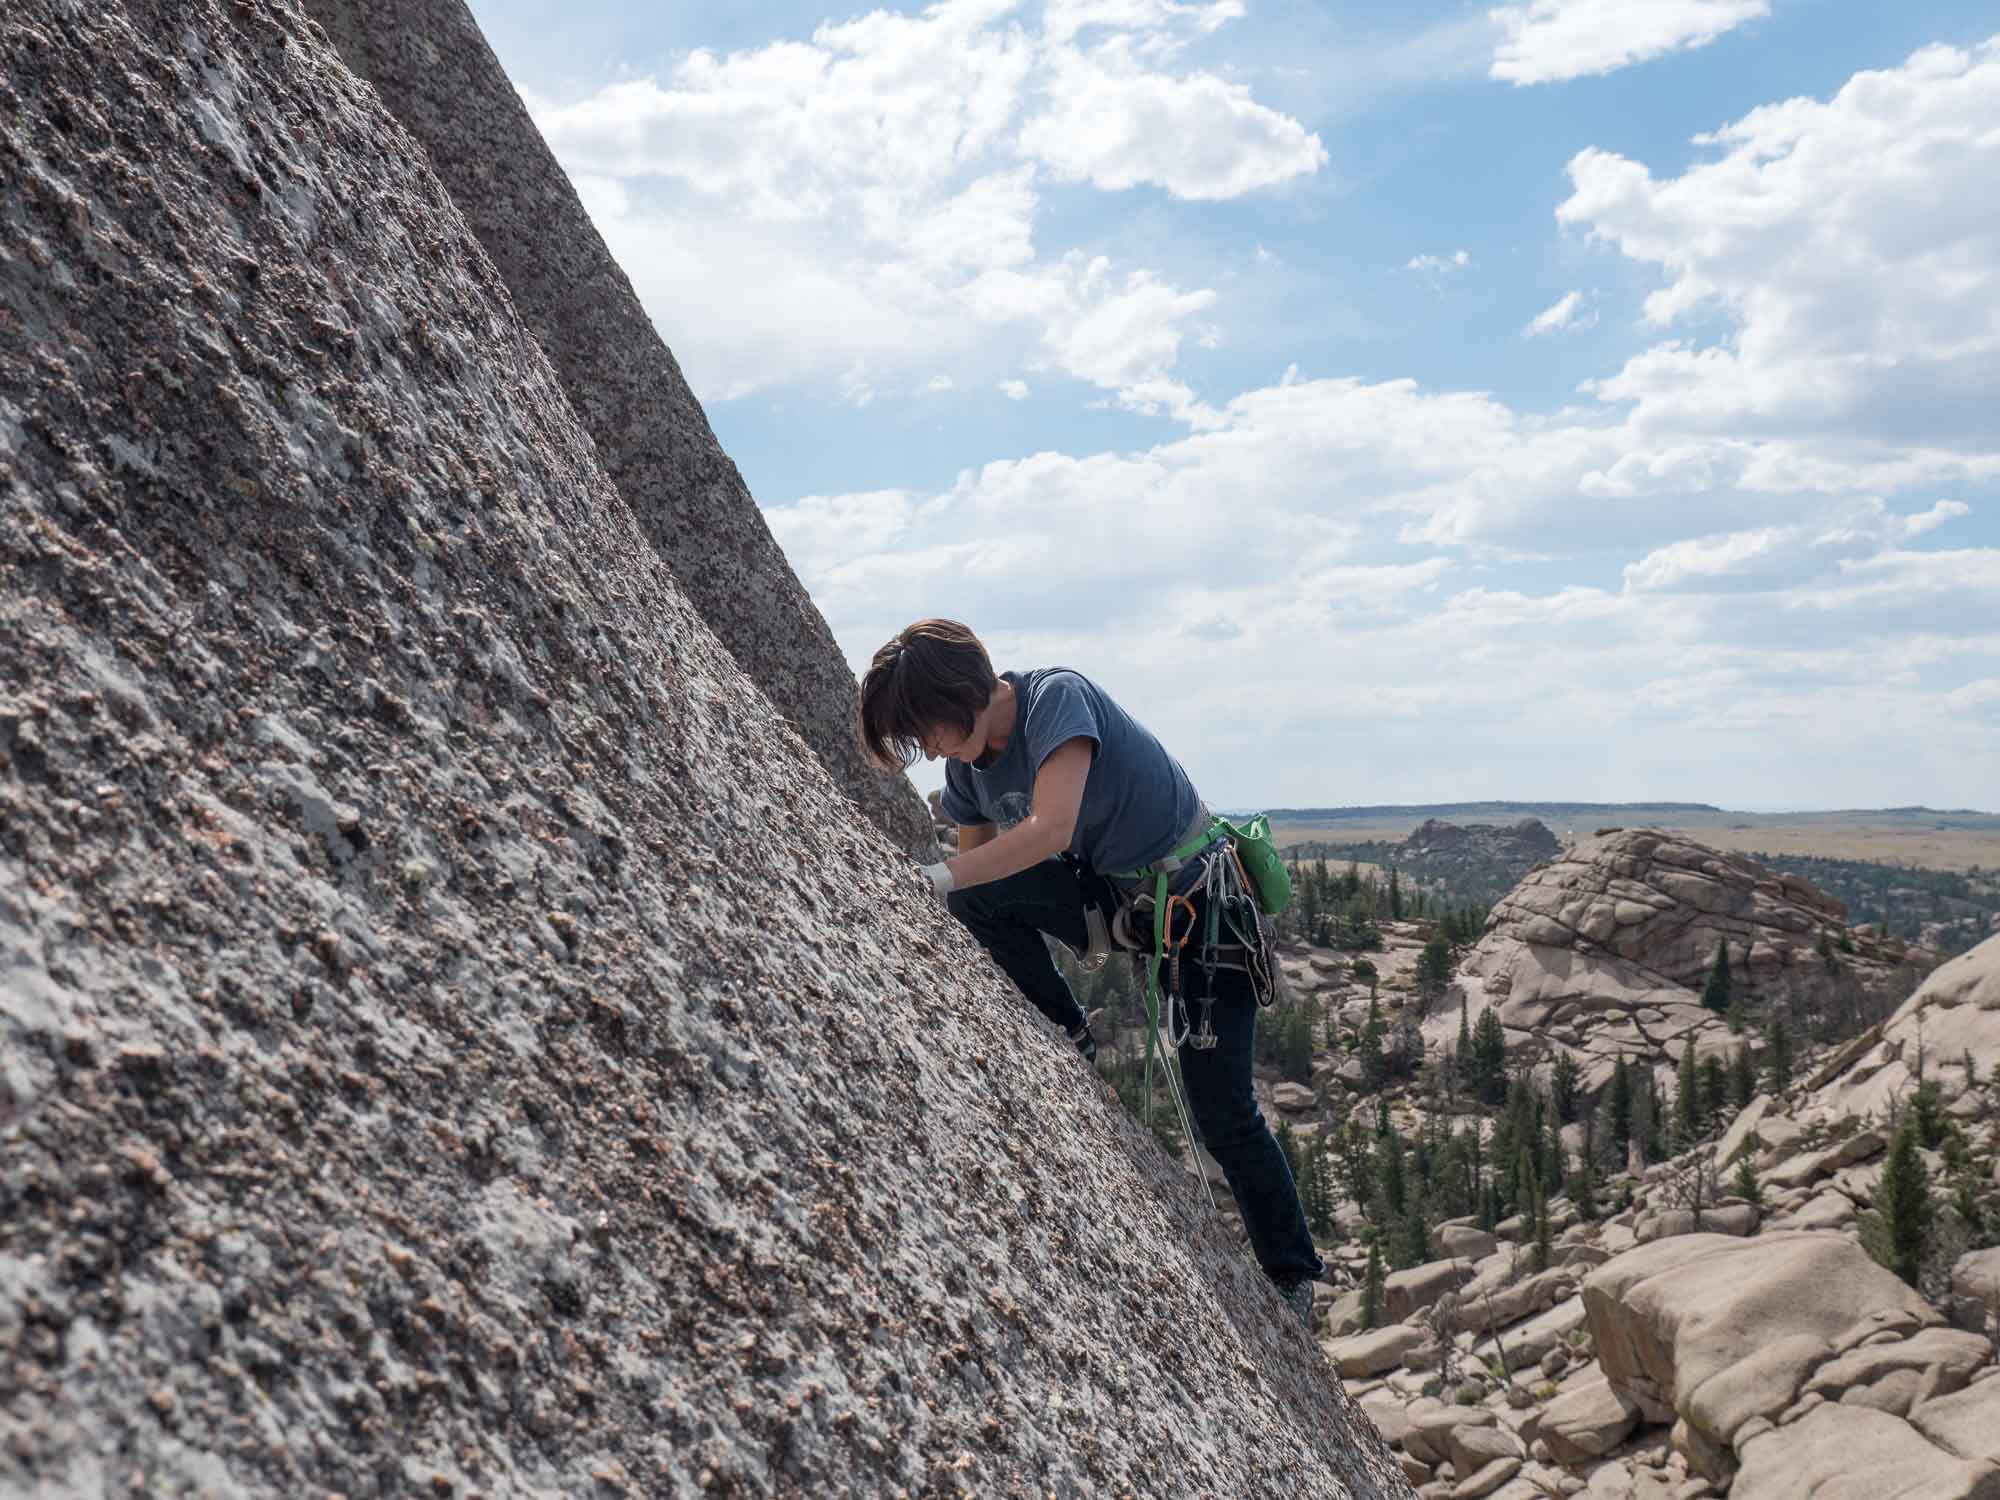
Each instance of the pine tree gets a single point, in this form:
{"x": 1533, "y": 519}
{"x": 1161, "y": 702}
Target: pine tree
{"x": 1745, "y": 1184}
{"x": 1742, "y": 1079}
{"x": 1395, "y": 896}
{"x": 1897, "y": 1231}
{"x": 1371, "y": 1286}
{"x": 1489, "y": 1058}
{"x": 1465, "y": 1051}
{"x": 1317, "y": 1196}
{"x": 1413, "y": 1238}
{"x": 1714, "y": 1094}
{"x": 1374, "y": 1066}
{"x": 1433, "y": 970}
{"x": 1715, "y": 994}
{"x": 1544, "y": 1238}
{"x": 1687, "y": 1100}
{"x": 1566, "y": 1087}
{"x": 1621, "y": 1104}
{"x": 1393, "y": 1180}
{"x": 1778, "y": 1055}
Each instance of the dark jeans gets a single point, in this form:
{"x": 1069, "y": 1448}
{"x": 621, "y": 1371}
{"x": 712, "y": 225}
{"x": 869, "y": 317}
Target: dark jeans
{"x": 1009, "y": 917}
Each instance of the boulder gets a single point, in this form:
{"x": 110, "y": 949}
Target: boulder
{"x": 1432, "y": 1423}
{"x": 1737, "y": 1219}
{"x": 1977, "y": 1275}
{"x": 1587, "y": 1422}
{"x": 1407, "y": 1292}
{"x": 1955, "y": 1010}
{"x": 1669, "y": 1317}
{"x": 1293, "y": 1098}
{"x": 1966, "y": 1423}
{"x": 1937, "y": 1361}
{"x": 1742, "y": 1130}
{"x": 1850, "y": 1453}
{"x": 1375, "y": 1351}
{"x": 1463, "y": 1242}
{"x": 1487, "y": 1480}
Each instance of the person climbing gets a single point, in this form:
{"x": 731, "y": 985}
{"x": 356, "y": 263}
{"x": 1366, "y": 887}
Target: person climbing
{"x": 1072, "y": 817}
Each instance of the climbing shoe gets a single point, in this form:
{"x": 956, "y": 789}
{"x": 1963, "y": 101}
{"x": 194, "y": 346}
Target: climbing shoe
{"x": 1085, "y": 1043}
{"x": 1298, "y": 1297}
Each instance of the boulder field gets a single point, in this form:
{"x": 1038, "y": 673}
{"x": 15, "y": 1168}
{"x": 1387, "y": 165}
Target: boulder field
{"x": 1753, "y": 1350}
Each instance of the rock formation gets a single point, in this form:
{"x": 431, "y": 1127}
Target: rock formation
{"x": 1474, "y": 858}
{"x": 1604, "y": 952}
{"x": 1752, "y": 1349}
{"x": 441, "y": 81}
{"x": 455, "y": 1037}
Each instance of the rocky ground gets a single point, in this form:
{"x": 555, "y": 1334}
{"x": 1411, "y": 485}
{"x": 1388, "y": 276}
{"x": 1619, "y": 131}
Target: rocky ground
{"x": 456, "y": 1039}
{"x": 1753, "y": 1349}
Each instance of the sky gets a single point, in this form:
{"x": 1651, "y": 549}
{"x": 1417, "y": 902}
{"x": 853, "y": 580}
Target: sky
{"x": 1587, "y": 400}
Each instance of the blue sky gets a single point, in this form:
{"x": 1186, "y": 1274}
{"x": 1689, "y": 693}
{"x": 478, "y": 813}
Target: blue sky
{"x": 1575, "y": 399}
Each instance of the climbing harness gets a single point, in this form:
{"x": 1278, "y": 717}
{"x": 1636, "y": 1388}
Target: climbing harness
{"x": 1240, "y": 893}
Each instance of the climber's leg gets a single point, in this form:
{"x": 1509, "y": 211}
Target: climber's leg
{"x": 1009, "y": 917}
{"x": 1233, "y": 1129}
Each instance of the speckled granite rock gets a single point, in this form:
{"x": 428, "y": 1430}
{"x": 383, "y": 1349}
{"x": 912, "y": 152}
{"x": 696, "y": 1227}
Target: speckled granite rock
{"x": 1604, "y": 951}
{"x": 439, "y": 78}
{"x": 457, "y": 1038}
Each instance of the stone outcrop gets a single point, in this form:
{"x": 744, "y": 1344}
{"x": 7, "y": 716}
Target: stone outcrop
{"x": 1954, "y": 1012}
{"x": 455, "y": 1035}
{"x": 1475, "y": 859}
{"x": 440, "y": 79}
{"x": 1603, "y": 952}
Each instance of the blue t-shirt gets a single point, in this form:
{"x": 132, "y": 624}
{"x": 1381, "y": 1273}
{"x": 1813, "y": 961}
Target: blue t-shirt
{"x": 1137, "y": 801}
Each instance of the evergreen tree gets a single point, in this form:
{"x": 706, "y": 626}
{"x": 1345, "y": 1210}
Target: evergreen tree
{"x": 1391, "y": 1179}
{"x": 1687, "y": 1100}
{"x": 1464, "y": 1058}
{"x": 1433, "y": 970}
{"x": 1374, "y": 1066}
{"x": 1544, "y": 1236}
{"x": 1566, "y": 1087}
{"x": 1715, "y": 994}
{"x": 1371, "y": 1287}
{"x": 1489, "y": 1058}
{"x": 1318, "y": 1196}
{"x": 1621, "y": 1104}
{"x": 1582, "y": 1188}
{"x": 1745, "y": 1184}
{"x": 1778, "y": 1055}
{"x": 1395, "y": 896}
{"x": 1742, "y": 1079}
{"x": 1413, "y": 1239}
{"x": 1897, "y": 1231}
{"x": 1927, "y": 1114}
{"x": 1715, "y": 1110}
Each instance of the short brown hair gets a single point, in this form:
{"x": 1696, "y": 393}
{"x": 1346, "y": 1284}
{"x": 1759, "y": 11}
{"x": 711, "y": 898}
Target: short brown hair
{"x": 934, "y": 672}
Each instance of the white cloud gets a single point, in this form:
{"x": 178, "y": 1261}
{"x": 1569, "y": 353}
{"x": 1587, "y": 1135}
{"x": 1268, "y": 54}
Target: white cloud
{"x": 1115, "y": 123}
{"x": 1014, "y": 390}
{"x": 1547, "y": 41}
{"x": 1439, "y": 265}
{"x": 876, "y": 191}
{"x": 937, "y": 385}
{"x": 1566, "y": 313}
{"x": 1852, "y": 247}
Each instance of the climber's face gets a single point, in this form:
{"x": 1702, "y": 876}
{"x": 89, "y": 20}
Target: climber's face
{"x": 949, "y": 742}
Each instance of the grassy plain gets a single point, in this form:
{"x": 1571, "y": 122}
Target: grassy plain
{"x": 1920, "y": 836}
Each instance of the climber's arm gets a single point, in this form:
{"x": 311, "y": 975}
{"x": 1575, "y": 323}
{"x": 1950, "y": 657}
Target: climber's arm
{"x": 1044, "y": 833}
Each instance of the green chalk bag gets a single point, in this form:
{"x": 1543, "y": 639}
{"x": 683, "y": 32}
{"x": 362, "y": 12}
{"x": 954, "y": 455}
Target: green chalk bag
{"x": 1261, "y": 863}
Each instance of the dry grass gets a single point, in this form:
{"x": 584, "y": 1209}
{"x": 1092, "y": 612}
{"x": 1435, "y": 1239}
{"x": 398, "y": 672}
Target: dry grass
{"x": 1965, "y": 840}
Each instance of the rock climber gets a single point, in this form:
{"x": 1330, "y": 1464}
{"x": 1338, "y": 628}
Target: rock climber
{"x": 1063, "y": 801}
